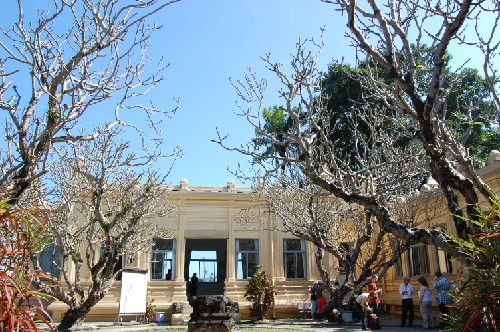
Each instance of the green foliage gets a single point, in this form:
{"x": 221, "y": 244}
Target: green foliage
{"x": 75, "y": 257}
{"x": 276, "y": 122}
{"x": 276, "y": 119}
{"x": 468, "y": 112}
{"x": 52, "y": 115}
{"x": 469, "y": 107}
{"x": 261, "y": 293}
{"x": 345, "y": 97}
{"x": 471, "y": 89}
{"x": 20, "y": 306}
{"x": 477, "y": 302}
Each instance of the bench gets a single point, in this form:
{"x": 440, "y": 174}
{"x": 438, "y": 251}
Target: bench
{"x": 304, "y": 308}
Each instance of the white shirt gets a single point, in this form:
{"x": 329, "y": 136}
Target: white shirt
{"x": 363, "y": 297}
{"x": 406, "y": 288}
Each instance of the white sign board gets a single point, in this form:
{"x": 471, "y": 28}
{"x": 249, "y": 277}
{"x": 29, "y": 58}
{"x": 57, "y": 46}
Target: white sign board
{"x": 134, "y": 291}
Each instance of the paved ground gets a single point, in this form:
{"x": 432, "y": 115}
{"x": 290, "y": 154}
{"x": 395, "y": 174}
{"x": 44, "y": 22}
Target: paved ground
{"x": 389, "y": 322}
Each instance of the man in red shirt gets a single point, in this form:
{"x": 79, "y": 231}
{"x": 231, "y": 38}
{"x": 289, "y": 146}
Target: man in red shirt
{"x": 375, "y": 301}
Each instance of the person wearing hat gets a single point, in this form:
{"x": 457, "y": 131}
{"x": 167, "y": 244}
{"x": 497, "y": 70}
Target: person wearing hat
{"x": 406, "y": 292}
{"x": 312, "y": 291}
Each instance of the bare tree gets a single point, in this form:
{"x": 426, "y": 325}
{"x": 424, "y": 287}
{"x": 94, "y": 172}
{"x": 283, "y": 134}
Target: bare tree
{"x": 69, "y": 60}
{"x": 380, "y": 171}
{"x": 102, "y": 200}
{"x": 393, "y": 35}
{"x": 374, "y": 175}
{"x": 348, "y": 231}
{"x": 488, "y": 41}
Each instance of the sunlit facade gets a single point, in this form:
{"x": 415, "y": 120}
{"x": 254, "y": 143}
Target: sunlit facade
{"x": 211, "y": 242}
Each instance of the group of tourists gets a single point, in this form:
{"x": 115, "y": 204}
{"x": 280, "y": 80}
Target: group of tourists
{"x": 443, "y": 298}
{"x": 368, "y": 303}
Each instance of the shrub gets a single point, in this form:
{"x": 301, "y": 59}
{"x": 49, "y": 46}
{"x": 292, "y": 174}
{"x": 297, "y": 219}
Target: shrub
{"x": 150, "y": 309}
{"x": 477, "y": 302}
{"x": 261, "y": 293}
{"x": 20, "y": 307}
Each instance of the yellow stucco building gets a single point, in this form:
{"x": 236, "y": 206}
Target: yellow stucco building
{"x": 209, "y": 241}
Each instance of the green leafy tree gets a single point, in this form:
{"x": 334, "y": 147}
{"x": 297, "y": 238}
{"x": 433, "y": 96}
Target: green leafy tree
{"x": 277, "y": 123}
{"x": 261, "y": 292}
{"x": 471, "y": 114}
{"x": 344, "y": 96}
{"x": 467, "y": 108}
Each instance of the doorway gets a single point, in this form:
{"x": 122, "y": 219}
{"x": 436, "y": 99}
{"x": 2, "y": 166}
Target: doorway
{"x": 207, "y": 258}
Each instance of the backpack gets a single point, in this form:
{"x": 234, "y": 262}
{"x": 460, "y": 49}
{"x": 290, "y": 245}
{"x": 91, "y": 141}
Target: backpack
{"x": 373, "y": 322}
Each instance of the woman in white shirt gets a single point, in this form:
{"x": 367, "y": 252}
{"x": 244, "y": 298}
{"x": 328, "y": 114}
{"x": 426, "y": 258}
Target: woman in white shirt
{"x": 425, "y": 301}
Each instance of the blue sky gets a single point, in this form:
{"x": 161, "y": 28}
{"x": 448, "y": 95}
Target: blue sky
{"x": 207, "y": 42}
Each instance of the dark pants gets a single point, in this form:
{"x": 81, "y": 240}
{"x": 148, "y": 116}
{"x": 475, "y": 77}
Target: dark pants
{"x": 363, "y": 314}
{"x": 376, "y": 308}
{"x": 444, "y": 311}
{"x": 407, "y": 308}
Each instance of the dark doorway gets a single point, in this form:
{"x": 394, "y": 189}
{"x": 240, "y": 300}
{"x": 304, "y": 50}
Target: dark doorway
{"x": 206, "y": 258}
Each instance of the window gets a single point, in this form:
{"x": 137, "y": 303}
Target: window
{"x": 294, "y": 258}
{"x": 444, "y": 261}
{"x": 443, "y": 258}
{"x": 247, "y": 258}
{"x": 398, "y": 268}
{"x": 162, "y": 259}
{"x": 204, "y": 264}
{"x": 398, "y": 264}
{"x": 119, "y": 265}
{"x": 50, "y": 259}
{"x": 418, "y": 260}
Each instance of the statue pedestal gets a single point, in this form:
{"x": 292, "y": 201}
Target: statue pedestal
{"x": 211, "y": 314}
{"x": 177, "y": 319}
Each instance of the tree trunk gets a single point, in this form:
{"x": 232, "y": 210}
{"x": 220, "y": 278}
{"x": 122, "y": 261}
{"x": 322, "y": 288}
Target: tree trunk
{"x": 19, "y": 183}
{"x": 76, "y": 316}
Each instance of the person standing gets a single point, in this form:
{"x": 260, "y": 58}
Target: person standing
{"x": 375, "y": 299}
{"x": 193, "y": 286}
{"x": 425, "y": 302}
{"x": 320, "y": 299}
{"x": 406, "y": 292}
{"x": 442, "y": 289}
{"x": 363, "y": 308}
{"x": 312, "y": 291}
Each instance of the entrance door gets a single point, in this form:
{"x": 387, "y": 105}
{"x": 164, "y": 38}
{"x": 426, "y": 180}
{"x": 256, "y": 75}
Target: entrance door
{"x": 206, "y": 258}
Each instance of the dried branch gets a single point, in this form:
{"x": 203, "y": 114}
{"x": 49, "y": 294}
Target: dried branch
{"x": 75, "y": 57}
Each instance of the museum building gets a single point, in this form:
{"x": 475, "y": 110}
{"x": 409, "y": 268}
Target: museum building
{"x": 210, "y": 241}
